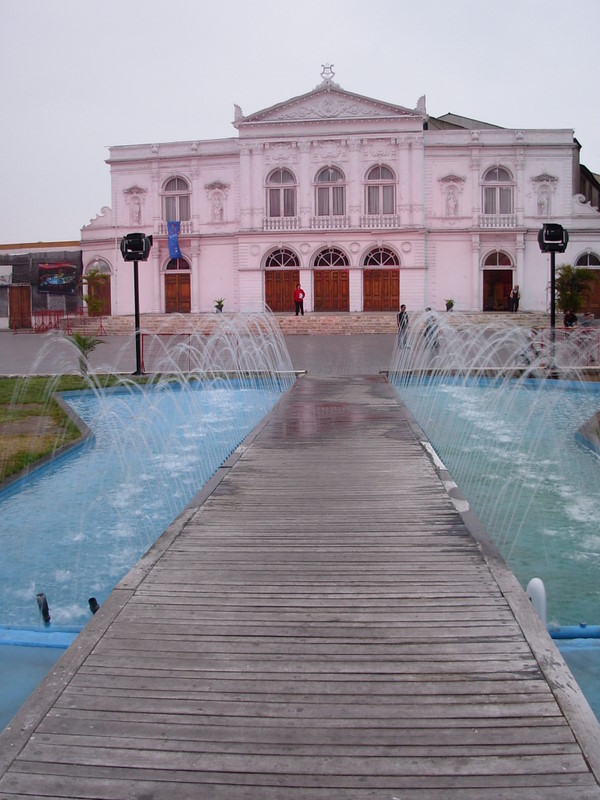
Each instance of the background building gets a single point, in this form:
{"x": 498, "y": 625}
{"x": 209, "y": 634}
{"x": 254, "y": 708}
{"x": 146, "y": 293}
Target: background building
{"x": 38, "y": 280}
{"x": 364, "y": 203}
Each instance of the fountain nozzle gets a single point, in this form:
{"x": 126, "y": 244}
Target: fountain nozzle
{"x": 43, "y": 606}
{"x": 93, "y": 605}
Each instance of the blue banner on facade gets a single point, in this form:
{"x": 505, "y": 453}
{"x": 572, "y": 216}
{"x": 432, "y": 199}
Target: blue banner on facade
{"x": 173, "y": 231}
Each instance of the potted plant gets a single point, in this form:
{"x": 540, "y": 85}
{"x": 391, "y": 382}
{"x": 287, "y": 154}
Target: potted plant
{"x": 85, "y": 345}
{"x": 219, "y": 305}
{"x": 449, "y": 304}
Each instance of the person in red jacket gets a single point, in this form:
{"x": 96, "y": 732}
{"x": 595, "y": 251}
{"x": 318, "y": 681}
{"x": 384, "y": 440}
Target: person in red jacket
{"x": 299, "y": 295}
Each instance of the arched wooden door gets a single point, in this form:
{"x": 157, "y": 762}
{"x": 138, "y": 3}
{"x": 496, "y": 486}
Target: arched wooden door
{"x": 279, "y": 288}
{"x": 178, "y": 296}
{"x": 331, "y": 281}
{"x": 497, "y": 281}
{"x": 97, "y": 280}
{"x": 592, "y": 298}
{"x": 332, "y": 292}
{"x": 381, "y": 290}
{"x": 497, "y": 285}
{"x": 282, "y": 275}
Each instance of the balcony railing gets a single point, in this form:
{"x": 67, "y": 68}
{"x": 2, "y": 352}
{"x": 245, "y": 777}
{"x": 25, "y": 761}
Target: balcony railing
{"x": 186, "y": 227}
{"x": 380, "y": 221}
{"x": 281, "y": 223}
{"x": 497, "y": 220}
{"x": 330, "y": 223}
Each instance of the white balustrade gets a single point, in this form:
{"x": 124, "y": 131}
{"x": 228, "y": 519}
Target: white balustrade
{"x": 330, "y": 223}
{"x": 281, "y": 223}
{"x": 497, "y": 220}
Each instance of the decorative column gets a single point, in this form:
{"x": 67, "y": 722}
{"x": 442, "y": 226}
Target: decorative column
{"x": 157, "y": 289}
{"x": 355, "y": 202}
{"x": 475, "y": 181}
{"x": 304, "y": 199}
{"x": 195, "y": 277}
{"x": 519, "y": 271}
{"x": 417, "y": 180}
{"x": 477, "y": 276}
{"x": 403, "y": 201}
{"x": 257, "y": 190}
{"x": 519, "y": 188}
{"x": 245, "y": 188}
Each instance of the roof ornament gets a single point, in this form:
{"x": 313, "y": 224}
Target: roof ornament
{"x": 327, "y": 74}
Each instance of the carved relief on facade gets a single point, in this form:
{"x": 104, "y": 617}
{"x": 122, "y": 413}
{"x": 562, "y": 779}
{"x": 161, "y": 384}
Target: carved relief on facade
{"x": 279, "y": 153}
{"x": 451, "y": 189}
{"x": 328, "y": 106}
{"x": 217, "y": 192}
{"x": 326, "y": 152}
{"x": 134, "y": 198}
{"x": 544, "y": 186}
{"x": 381, "y": 149}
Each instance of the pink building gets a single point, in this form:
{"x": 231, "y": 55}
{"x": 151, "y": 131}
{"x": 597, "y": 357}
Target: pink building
{"x": 364, "y": 203}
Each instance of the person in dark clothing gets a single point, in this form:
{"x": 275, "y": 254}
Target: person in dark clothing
{"x": 402, "y": 326}
{"x": 432, "y": 330}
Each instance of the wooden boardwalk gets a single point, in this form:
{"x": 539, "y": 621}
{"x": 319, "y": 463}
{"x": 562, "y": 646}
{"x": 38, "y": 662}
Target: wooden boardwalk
{"x": 321, "y": 623}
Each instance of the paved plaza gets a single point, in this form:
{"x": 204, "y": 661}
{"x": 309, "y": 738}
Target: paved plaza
{"x": 52, "y": 353}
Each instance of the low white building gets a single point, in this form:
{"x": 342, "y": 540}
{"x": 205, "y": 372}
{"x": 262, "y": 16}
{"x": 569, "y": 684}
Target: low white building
{"x": 365, "y": 203}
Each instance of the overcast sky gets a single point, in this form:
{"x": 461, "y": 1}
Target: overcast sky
{"x": 81, "y": 75}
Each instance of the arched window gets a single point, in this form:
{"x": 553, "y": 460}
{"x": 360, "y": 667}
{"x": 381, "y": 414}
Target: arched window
{"x": 497, "y": 259}
{"x": 331, "y": 257}
{"x": 588, "y": 260}
{"x": 282, "y": 258}
{"x": 497, "y": 191}
{"x": 178, "y": 263}
{"x": 176, "y": 200}
{"x": 331, "y": 193}
{"x": 381, "y": 257}
{"x": 381, "y": 191}
{"x": 281, "y": 194}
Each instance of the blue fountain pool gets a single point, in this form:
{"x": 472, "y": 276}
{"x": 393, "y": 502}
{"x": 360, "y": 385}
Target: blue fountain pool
{"x": 514, "y": 450}
{"x": 74, "y": 528}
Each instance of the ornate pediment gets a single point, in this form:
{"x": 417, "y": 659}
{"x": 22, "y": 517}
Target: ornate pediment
{"x": 583, "y": 207}
{"x": 327, "y": 102}
{"x": 102, "y": 219}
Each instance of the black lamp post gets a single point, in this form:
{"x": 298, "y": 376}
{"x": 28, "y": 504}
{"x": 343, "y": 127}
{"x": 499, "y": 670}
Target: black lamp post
{"x": 553, "y": 238}
{"x": 136, "y": 247}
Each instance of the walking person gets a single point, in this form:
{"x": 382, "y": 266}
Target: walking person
{"x": 432, "y": 330}
{"x": 299, "y": 295}
{"x": 513, "y": 299}
{"x": 402, "y": 326}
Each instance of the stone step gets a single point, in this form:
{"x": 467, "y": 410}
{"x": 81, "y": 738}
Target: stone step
{"x": 290, "y": 325}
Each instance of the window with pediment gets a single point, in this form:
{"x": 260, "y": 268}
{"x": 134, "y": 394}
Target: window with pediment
{"x": 381, "y": 190}
{"x": 176, "y": 200}
{"x": 498, "y": 190}
{"x": 281, "y": 193}
{"x": 331, "y": 193}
